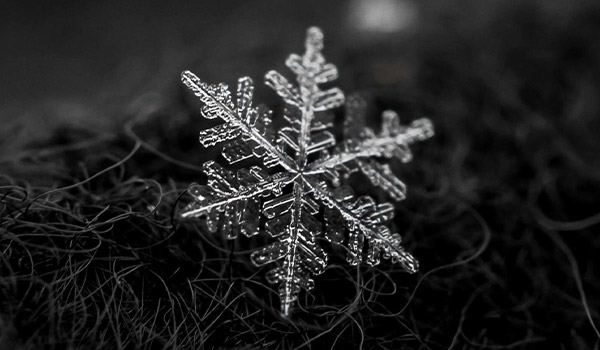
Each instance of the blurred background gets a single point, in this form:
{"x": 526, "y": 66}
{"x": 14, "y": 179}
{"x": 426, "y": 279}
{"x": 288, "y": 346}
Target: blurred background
{"x": 512, "y": 87}
{"x": 92, "y": 57}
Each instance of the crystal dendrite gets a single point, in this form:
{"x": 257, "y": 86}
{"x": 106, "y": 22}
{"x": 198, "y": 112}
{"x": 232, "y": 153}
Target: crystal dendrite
{"x": 297, "y": 193}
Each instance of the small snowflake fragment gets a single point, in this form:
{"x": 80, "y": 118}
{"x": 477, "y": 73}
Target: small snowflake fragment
{"x": 302, "y": 172}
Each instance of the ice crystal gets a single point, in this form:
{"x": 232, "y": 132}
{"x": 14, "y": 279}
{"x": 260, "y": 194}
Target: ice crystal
{"x": 297, "y": 194}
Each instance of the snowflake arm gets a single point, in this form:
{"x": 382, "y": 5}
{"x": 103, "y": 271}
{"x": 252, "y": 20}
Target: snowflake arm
{"x": 311, "y": 70}
{"x": 363, "y": 219}
{"x": 238, "y": 120}
{"x": 296, "y": 229}
{"x": 389, "y": 144}
{"x": 233, "y": 199}
{"x": 207, "y": 199}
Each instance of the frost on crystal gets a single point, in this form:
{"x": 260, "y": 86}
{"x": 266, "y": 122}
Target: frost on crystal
{"x": 297, "y": 194}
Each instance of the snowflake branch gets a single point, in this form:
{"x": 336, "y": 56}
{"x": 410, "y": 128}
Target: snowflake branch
{"x": 408, "y": 262}
{"x": 230, "y": 116}
{"x": 289, "y": 289}
{"x": 419, "y": 130}
{"x": 250, "y": 192}
{"x": 311, "y": 70}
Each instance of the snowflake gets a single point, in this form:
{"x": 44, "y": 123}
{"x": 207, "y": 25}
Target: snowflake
{"x": 300, "y": 177}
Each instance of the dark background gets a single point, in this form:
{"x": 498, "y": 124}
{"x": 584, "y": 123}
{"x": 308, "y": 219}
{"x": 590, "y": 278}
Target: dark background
{"x": 502, "y": 208}
{"x": 68, "y": 52}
